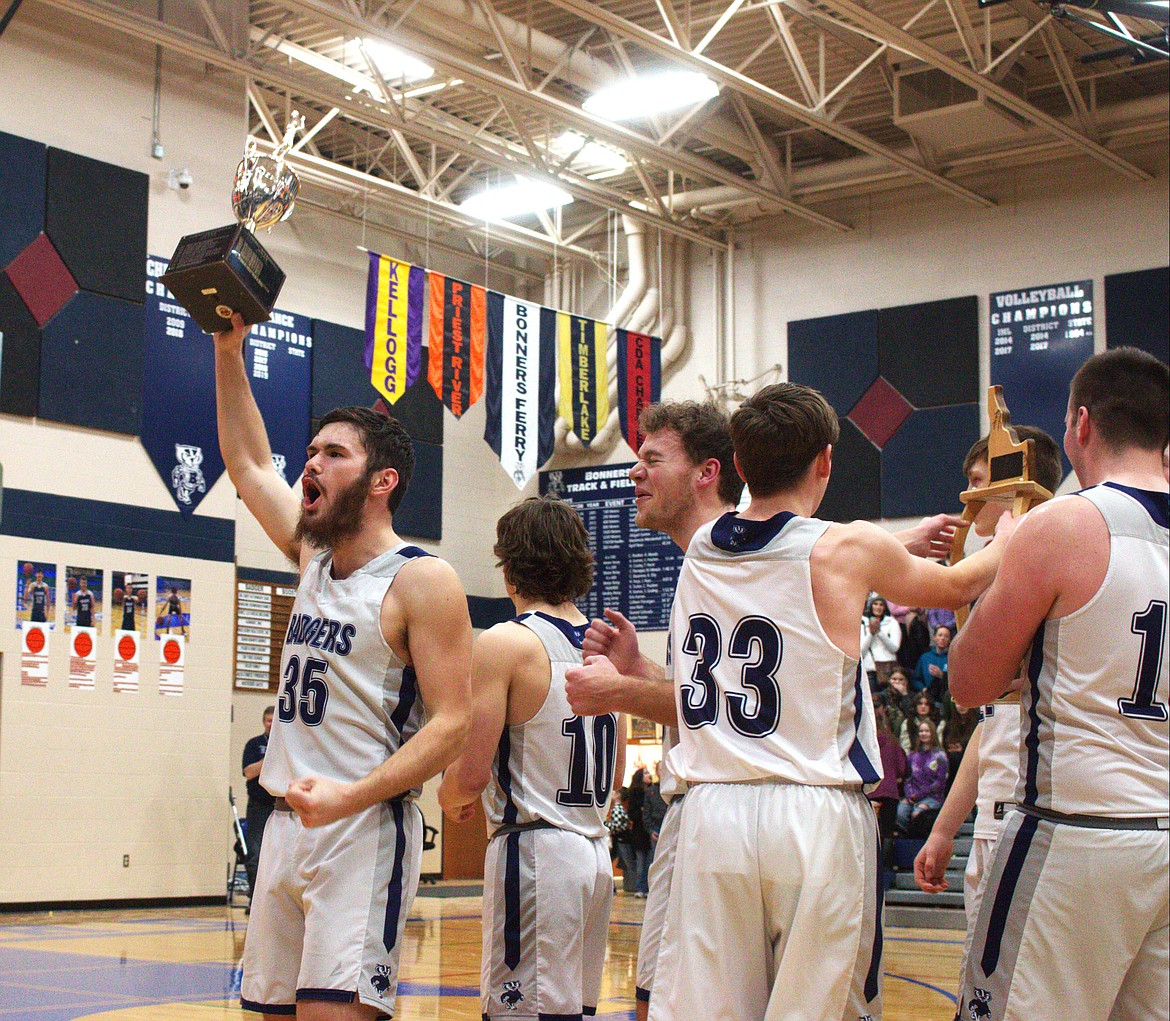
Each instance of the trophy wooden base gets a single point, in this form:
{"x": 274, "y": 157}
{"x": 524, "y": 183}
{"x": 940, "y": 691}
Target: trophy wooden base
{"x": 221, "y": 271}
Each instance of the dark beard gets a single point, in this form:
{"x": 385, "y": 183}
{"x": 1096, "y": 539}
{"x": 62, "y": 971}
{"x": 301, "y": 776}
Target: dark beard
{"x": 342, "y": 521}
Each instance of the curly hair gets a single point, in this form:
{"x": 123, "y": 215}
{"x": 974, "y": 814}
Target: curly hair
{"x": 543, "y": 548}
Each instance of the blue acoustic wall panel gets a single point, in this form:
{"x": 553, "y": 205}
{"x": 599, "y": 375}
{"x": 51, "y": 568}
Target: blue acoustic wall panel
{"x": 1137, "y": 311}
{"x": 22, "y": 194}
{"x": 855, "y": 485}
{"x": 20, "y": 354}
{"x": 839, "y": 352}
{"x": 930, "y": 352}
{"x": 421, "y": 512}
{"x": 922, "y": 464}
{"x": 340, "y": 378}
{"x": 95, "y": 215}
{"x": 885, "y": 371}
{"x": 91, "y": 364}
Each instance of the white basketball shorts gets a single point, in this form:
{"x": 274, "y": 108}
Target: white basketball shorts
{"x": 1072, "y": 925}
{"x": 546, "y": 900}
{"x": 330, "y": 907}
{"x": 661, "y": 872}
{"x": 775, "y": 907}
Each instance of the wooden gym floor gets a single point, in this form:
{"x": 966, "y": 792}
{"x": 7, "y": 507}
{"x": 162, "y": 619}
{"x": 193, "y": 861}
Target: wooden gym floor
{"x": 183, "y": 965}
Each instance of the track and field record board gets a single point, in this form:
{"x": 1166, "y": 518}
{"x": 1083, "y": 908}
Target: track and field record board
{"x": 636, "y": 569}
{"x": 262, "y": 611}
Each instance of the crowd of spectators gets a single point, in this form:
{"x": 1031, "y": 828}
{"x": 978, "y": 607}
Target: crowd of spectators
{"x": 922, "y": 733}
{"x": 635, "y": 818}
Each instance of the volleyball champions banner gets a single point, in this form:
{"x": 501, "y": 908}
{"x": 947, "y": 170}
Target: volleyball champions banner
{"x": 639, "y": 381}
{"x": 456, "y": 340}
{"x": 394, "y": 318}
{"x": 584, "y": 380}
{"x": 519, "y": 384}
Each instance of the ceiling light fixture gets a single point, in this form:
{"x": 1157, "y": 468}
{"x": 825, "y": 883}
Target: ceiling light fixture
{"x": 589, "y": 153}
{"x": 524, "y": 197}
{"x": 394, "y": 65}
{"x": 646, "y": 95}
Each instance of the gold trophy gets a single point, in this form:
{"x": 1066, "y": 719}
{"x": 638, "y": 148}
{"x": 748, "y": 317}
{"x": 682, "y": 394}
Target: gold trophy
{"x": 217, "y": 272}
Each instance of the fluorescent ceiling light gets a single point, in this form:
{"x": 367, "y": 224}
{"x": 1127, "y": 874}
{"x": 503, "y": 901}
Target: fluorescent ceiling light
{"x": 646, "y": 95}
{"x": 506, "y": 201}
{"x": 394, "y": 65}
{"x": 359, "y": 81}
{"x": 590, "y": 153}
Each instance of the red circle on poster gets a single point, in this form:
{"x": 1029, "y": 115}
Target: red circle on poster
{"x": 127, "y": 647}
{"x": 82, "y": 644}
{"x": 35, "y": 641}
{"x": 172, "y": 651}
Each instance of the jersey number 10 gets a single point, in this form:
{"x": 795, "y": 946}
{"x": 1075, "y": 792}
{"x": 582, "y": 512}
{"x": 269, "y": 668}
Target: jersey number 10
{"x": 579, "y": 794}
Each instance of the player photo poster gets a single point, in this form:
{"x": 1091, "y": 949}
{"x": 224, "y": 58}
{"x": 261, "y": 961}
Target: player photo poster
{"x": 34, "y": 654}
{"x": 83, "y": 598}
{"x": 128, "y": 606}
{"x": 172, "y": 660}
{"x": 172, "y": 606}
{"x": 36, "y": 593}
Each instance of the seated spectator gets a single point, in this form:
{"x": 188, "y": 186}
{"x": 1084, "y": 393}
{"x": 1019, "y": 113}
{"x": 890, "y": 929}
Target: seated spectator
{"x": 886, "y": 795}
{"x": 924, "y": 711}
{"x": 880, "y": 638}
{"x": 915, "y": 637}
{"x": 958, "y": 726}
{"x": 926, "y": 784}
{"x": 930, "y": 674}
{"x": 896, "y": 698}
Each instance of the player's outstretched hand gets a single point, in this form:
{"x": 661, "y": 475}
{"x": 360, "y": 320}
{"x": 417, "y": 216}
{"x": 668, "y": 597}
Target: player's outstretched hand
{"x": 931, "y": 537}
{"x": 615, "y": 638}
{"x": 591, "y": 686}
{"x": 930, "y": 864}
{"x": 317, "y": 801}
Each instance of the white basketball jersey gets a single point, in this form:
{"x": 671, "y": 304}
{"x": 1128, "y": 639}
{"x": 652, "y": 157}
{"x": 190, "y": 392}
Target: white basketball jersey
{"x": 346, "y": 701}
{"x": 1096, "y": 739}
{"x": 557, "y": 767}
{"x": 761, "y": 690}
{"x": 670, "y": 786}
{"x": 999, "y": 765}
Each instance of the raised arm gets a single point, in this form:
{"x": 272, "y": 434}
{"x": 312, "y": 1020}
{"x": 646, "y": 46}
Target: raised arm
{"x": 915, "y": 581}
{"x": 243, "y": 441}
{"x": 438, "y": 636}
{"x": 1055, "y": 561}
{"x": 492, "y": 667}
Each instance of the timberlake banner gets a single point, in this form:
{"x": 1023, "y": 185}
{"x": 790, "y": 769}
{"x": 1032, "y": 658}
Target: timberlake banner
{"x": 520, "y": 379}
{"x": 394, "y": 324}
{"x": 584, "y": 379}
{"x": 456, "y": 341}
{"x": 639, "y": 380}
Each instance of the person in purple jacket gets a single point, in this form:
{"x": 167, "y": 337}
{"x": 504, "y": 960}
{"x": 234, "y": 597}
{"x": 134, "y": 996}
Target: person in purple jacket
{"x": 926, "y": 785}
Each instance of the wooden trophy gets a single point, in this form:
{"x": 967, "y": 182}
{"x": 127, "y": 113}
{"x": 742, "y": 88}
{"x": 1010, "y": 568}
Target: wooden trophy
{"x": 1011, "y": 466}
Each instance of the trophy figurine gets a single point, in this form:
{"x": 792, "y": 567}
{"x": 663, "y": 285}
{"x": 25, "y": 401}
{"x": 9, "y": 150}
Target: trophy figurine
{"x": 225, "y": 270}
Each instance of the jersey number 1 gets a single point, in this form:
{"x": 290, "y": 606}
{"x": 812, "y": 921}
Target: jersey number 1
{"x": 1151, "y": 625}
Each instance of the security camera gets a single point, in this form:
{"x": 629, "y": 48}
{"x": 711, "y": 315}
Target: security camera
{"x": 180, "y": 179}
